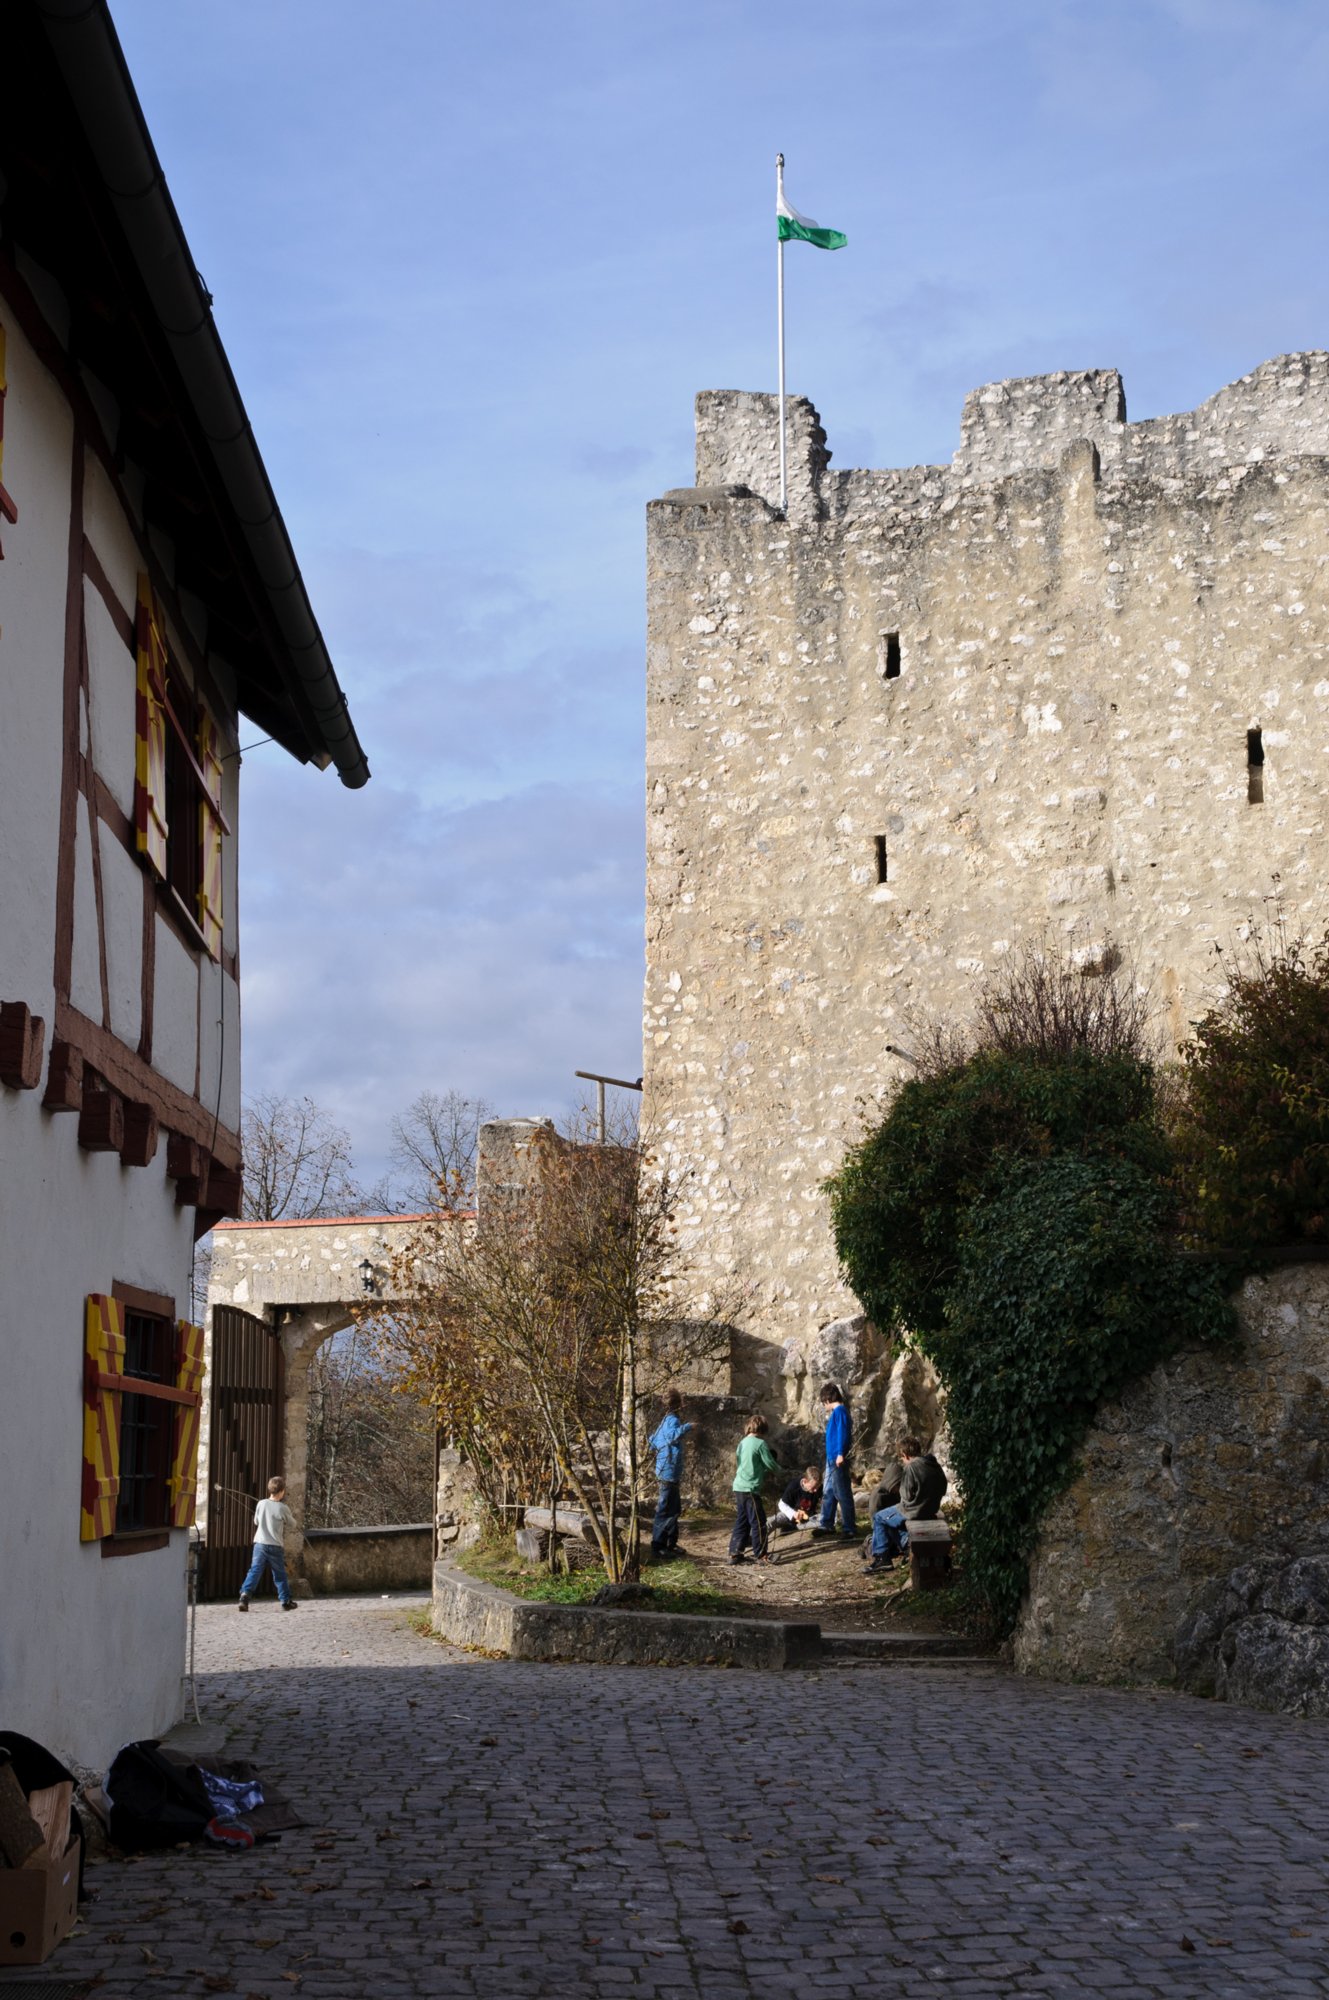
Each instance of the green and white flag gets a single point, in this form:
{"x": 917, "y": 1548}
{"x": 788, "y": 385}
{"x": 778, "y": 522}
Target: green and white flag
{"x": 791, "y": 227}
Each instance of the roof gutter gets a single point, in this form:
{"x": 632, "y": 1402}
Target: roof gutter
{"x": 93, "y": 66}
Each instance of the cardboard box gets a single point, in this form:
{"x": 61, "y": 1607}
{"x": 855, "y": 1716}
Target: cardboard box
{"x": 37, "y": 1908}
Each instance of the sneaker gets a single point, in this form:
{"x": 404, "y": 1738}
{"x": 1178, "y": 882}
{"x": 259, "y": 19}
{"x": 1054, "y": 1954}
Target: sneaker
{"x": 818, "y": 1533}
{"x": 880, "y": 1563}
{"x": 849, "y": 1535}
{"x": 736, "y": 1562}
{"x": 243, "y": 1604}
{"x": 291, "y": 1604}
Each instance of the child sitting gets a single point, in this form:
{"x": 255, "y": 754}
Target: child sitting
{"x": 799, "y": 1501}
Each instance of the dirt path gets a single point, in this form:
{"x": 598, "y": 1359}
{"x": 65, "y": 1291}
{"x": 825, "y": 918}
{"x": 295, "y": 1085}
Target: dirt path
{"x": 821, "y": 1580}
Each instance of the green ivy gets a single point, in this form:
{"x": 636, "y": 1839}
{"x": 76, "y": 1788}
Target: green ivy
{"x": 1068, "y": 1289}
{"x": 1011, "y": 1216}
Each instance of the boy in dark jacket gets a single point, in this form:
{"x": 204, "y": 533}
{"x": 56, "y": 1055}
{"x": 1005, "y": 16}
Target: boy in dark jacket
{"x": 799, "y": 1501}
{"x": 922, "y": 1489}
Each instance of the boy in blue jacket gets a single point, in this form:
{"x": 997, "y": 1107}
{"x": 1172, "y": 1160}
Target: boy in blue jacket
{"x": 839, "y": 1487}
{"x": 667, "y": 1444}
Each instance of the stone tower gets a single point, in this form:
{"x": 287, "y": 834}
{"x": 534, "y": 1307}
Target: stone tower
{"x": 1077, "y": 680}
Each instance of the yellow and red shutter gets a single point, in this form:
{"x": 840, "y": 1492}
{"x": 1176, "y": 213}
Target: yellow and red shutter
{"x": 103, "y": 1383}
{"x": 210, "y": 826}
{"x": 150, "y": 731}
{"x": 182, "y": 1485}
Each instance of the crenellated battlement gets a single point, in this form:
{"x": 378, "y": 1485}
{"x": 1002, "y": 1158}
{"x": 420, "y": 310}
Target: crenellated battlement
{"x": 1281, "y": 409}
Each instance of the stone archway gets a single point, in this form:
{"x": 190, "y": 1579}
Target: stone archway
{"x": 303, "y": 1279}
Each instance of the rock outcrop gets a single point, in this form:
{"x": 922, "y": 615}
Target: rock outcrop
{"x": 1212, "y": 1462}
{"x": 1261, "y": 1636}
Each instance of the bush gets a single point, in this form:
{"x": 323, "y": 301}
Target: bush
{"x": 1252, "y": 1132}
{"x": 1068, "y": 1288}
{"x": 903, "y": 1199}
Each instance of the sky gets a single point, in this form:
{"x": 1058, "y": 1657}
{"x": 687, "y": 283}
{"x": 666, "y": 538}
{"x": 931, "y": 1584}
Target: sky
{"x": 472, "y": 262}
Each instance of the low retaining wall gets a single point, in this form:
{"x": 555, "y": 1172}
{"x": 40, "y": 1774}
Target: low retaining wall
{"x": 338, "y": 1562}
{"x": 470, "y": 1613}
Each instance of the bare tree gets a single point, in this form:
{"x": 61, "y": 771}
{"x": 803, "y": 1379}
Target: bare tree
{"x": 371, "y": 1450}
{"x": 297, "y": 1161}
{"x": 537, "y": 1334}
{"x": 435, "y": 1148}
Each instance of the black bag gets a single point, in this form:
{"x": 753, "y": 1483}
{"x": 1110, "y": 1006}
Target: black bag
{"x": 155, "y": 1802}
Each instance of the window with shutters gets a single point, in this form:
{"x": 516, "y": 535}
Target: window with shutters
{"x": 142, "y": 1395}
{"x": 178, "y": 822}
{"x": 145, "y": 1425}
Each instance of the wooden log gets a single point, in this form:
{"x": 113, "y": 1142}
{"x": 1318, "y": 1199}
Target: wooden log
{"x": 51, "y": 1808}
{"x": 141, "y": 1135}
{"x": 101, "y": 1122}
{"x": 929, "y": 1555}
{"x": 20, "y": 1835}
{"x": 64, "y": 1079}
{"x": 22, "y": 1045}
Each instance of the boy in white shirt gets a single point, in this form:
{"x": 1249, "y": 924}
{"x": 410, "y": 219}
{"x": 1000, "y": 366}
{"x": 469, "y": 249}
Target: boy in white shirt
{"x": 272, "y": 1517}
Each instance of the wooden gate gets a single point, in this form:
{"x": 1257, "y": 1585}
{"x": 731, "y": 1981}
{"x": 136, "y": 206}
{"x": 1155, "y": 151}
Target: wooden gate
{"x": 245, "y": 1442}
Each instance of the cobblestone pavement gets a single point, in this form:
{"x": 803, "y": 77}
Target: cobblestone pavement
{"x": 497, "y": 1829}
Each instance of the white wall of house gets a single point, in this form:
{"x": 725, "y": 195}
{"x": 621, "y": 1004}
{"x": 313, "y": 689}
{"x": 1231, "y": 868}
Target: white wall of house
{"x": 92, "y": 1646}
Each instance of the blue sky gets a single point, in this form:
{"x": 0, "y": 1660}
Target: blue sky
{"x": 472, "y": 262}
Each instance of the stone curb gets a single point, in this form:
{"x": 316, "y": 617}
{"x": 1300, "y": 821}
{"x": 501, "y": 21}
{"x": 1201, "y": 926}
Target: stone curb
{"x": 467, "y": 1612}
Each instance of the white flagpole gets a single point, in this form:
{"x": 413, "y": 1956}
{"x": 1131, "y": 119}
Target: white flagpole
{"x": 779, "y": 320}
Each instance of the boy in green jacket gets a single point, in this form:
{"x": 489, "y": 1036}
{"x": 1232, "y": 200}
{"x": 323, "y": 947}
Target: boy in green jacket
{"x": 756, "y": 1463}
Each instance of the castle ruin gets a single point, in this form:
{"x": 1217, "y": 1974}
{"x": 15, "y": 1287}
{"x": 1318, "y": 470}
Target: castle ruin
{"x": 1077, "y": 681}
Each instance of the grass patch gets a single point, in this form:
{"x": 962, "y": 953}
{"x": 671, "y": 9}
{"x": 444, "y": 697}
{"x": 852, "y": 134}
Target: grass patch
{"x": 675, "y": 1586}
{"x": 960, "y": 1608}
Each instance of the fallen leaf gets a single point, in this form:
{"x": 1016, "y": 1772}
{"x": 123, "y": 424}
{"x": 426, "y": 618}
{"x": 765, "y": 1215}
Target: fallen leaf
{"x": 385, "y": 1833}
{"x": 659, "y": 1812}
{"x": 266, "y": 1944}
{"x": 421, "y": 1882}
{"x": 828, "y": 1878}
{"x": 217, "y": 1982}
{"x": 1217, "y": 1942}
{"x": 878, "y": 1840}
{"x": 643, "y": 1833}
{"x": 489, "y": 1742}
{"x": 1298, "y": 1933}
{"x": 118, "y": 1937}
{"x": 292, "y": 1978}
{"x": 149, "y": 1955}
{"x": 1186, "y": 1944}
{"x": 737, "y": 1926}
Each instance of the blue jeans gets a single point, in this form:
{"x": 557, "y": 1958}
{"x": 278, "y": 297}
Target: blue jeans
{"x": 267, "y": 1555}
{"x": 664, "y": 1533}
{"x": 890, "y": 1536}
{"x": 839, "y": 1492}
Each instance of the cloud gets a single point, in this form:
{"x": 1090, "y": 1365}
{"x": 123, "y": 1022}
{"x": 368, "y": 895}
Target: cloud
{"x": 493, "y": 948}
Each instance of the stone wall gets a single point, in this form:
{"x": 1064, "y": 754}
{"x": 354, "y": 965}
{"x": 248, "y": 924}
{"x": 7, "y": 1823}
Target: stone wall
{"x": 936, "y": 711}
{"x": 338, "y": 1562}
{"x": 1211, "y": 1462}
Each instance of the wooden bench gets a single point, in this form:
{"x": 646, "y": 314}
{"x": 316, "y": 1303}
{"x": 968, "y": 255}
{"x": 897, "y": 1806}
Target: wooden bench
{"x": 929, "y": 1554}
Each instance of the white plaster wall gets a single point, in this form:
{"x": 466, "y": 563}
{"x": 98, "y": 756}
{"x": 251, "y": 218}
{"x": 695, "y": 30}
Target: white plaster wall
{"x": 111, "y": 680}
{"x": 38, "y": 448}
{"x": 122, "y": 897}
{"x": 112, "y": 535}
{"x": 219, "y": 1043}
{"x": 175, "y": 1009}
{"x": 91, "y": 1649}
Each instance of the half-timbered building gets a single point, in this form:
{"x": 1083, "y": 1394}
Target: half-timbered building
{"x": 149, "y": 598}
